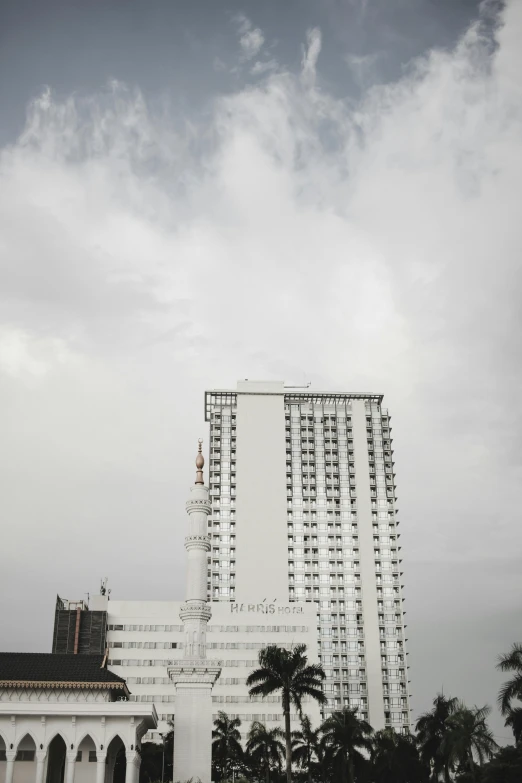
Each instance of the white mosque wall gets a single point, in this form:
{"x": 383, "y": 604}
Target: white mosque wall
{"x": 27, "y": 730}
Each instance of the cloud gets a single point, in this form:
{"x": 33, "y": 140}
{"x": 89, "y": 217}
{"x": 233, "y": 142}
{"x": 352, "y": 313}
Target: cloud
{"x": 251, "y": 43}
{"x": 369, "y": 246}
{"x": 24, "y": 356}
{"x": 310, "y": 55}
{"x": 262, "y": 67}
{"x": 361, "y": 66}
{"x": 251, "y": 38}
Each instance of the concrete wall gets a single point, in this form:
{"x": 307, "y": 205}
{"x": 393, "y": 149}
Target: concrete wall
{"x": 85, "y": 771}
{"x": 261, "y": 529}
{"x": 192, "y": 758}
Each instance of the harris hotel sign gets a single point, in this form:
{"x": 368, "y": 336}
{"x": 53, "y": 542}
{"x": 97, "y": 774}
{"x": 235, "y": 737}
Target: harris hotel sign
{"x": 265, "y": 608}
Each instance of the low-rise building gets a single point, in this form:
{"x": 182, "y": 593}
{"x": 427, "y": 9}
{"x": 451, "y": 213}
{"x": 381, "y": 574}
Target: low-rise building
{"x": 68, "y": 718}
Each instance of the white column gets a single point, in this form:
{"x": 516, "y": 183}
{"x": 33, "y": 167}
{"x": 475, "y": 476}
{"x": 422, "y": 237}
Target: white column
{"x": 100, "y": 766}
{"x": 133, "y": 764}
{"x": 9, "y": 768}
{"x": 194, "y": 676}
{"x": 71, "y": 767}
{"x": 40, "y": 765}
{"x": 109, "y": 768}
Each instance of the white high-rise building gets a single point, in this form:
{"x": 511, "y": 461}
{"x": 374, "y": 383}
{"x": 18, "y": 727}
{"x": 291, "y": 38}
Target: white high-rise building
{"x": 302, "y": 486}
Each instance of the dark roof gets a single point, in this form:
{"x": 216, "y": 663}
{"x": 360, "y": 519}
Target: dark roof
{"x": 56, "y": 668}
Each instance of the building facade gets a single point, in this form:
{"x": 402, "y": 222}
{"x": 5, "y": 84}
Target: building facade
{"x": 145, "y": 639}
{"x": 303, "y": 497}
{"x": 67, "y": 718}
{"x": 79, "y": 629}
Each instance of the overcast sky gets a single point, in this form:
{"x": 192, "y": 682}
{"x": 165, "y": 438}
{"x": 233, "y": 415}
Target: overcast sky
{"x": 309, "y": 190}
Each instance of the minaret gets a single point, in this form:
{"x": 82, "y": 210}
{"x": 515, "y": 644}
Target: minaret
{"x": 193, "y": 675}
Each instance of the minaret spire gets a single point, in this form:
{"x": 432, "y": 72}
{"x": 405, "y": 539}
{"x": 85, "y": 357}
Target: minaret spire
{"x": 194, "y": 675}
{"x": 200, "y": 461}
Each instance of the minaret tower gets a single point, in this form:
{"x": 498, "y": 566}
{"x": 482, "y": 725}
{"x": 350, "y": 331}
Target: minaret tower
{"x": 193, "y": 675}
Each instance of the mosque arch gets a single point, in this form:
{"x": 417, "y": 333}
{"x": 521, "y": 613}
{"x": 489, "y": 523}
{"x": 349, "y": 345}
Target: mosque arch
{"x": 51, "y": 739}
{"x": 27, "y": 742}
{"x": 116, "y": 760}
{"x": 115, "y": 738}
{"x": 56, "y": 759}
{"x": 25, "y": 758}
{"x": 88, "y": 735}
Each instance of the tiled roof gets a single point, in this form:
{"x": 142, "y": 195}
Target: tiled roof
{"x": 44, "y": 668}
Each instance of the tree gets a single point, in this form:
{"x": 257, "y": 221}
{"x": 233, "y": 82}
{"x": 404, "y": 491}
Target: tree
{"x": 469, "y": 738}
{"x": 431, "y": 732}
{"x": 395, "y": 757}
{"x": 344, "y": 738}
{"x": 226, "y": 744}
{"x": 287, "y": 671}
{"x": 514, "y": 722}
{"x": 506, "y": 767}
{"x": 157, "y": 759}
{"x": 512, "y": 689}
{"x": 306, "y": 747}
{"x": 264, "y": 748}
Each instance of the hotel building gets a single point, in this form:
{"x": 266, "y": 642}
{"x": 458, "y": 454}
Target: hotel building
{"x": 302, "y": 485}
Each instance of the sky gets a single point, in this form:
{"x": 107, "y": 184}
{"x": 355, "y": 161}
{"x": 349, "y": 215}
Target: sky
{"x": 323, "y": 191}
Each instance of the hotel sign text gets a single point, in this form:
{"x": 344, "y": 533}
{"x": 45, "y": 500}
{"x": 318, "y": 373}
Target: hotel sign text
{"x": 265, "y": 609}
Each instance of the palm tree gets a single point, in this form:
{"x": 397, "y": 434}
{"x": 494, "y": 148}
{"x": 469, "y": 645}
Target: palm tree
{"x": 306, "y": 746}
{"x": 264, "y": 748}
{"x": 226, "y": 743}
{"x": 431, "y": 733}
{"x": 512, "y": 689}
{"x": 344, "y": 736}
{"x": 514, "y": 721}
{"x": 396, "y": 757}
{"x": 287, "y": 671}
{"x": 469, "y": 737}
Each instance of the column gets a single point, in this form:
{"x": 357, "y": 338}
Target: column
{"x": 9, "y": 768}
{"x": 109, "y": 768}
{"x": 133, "y": 766}
{"x": 71, "y": 766}
{"x": 40, "y": 765}
{"x": 100, "y": 766}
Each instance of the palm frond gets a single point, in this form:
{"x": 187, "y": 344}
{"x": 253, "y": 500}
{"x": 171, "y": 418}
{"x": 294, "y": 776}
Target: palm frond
{"x": 512, "y": 689}
{"x": 511, "y": 661}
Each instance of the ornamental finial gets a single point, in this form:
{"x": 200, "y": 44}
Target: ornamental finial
{"x": 200, "y": 461}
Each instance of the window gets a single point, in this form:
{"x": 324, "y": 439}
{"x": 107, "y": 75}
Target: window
{"x": 92, "y": 755}
{"x": 79, "y": 756}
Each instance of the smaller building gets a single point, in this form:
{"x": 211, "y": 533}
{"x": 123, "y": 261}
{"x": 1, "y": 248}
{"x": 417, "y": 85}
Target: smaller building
{"x": 68, "y": 719}
{"x": 80, "y": 628}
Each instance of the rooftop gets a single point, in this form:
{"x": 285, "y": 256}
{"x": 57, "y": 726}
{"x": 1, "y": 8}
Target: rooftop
{"x": 293, "y": 394}
{"x": 56, "y": 670}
